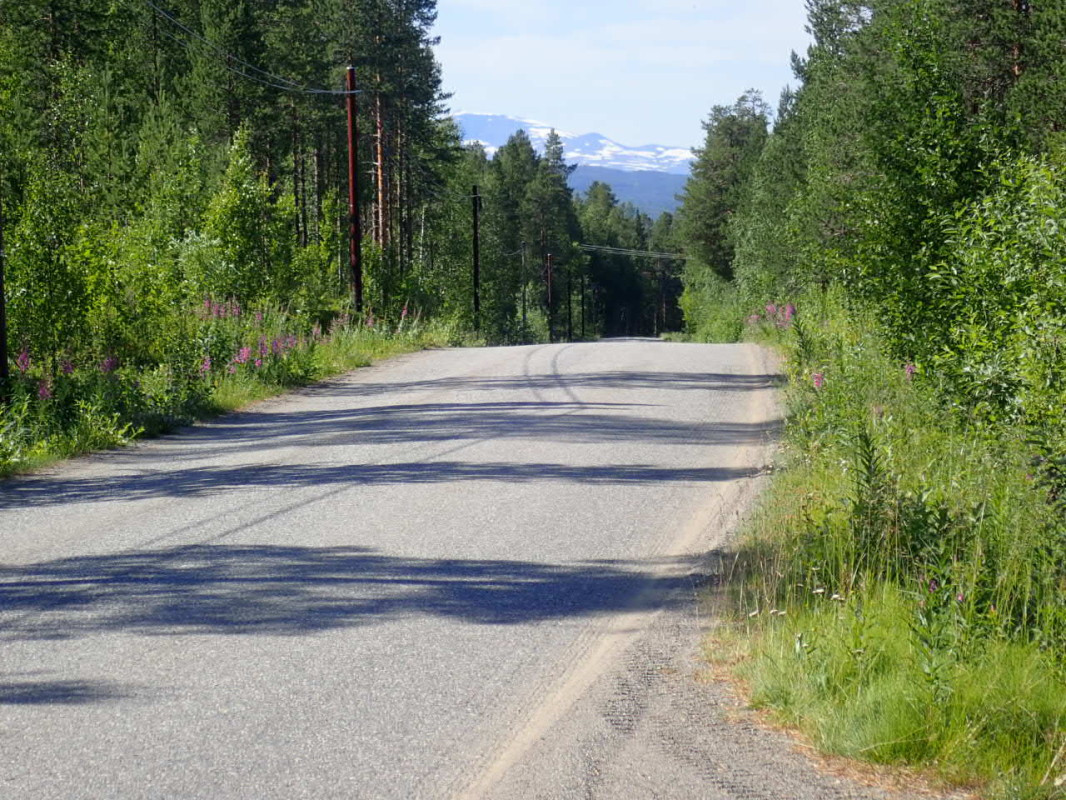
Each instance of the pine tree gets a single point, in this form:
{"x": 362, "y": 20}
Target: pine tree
{"x": 734, "y": 139}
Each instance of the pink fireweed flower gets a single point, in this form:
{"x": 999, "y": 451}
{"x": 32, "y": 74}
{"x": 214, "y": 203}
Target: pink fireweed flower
{"x": 109, "y": 365}
{"x": 23, "y": 361}
{"x": 258, "y": 317}
{"x": 754, "y": 319}
{"x": 910, "y": 369}
{"x": 263, "y": 349}
{"x": 232, "y": 369}
{"x": 771, "y": 310}
{"x": 205, "y": 365}
{"x": 243, "y": 355}
{"x": 818, "y": 379}
{"x": 44, "y": 389}
{"x": 258, "y": 363}
{"x": 790, "y": 311}
{"x": 275, "y": 346}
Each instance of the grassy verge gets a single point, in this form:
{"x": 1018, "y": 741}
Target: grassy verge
{"x": 902, "y": 589}
{"x": 211, "y": 365}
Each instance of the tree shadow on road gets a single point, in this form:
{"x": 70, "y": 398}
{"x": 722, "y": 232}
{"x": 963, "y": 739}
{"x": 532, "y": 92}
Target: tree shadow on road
{"x": 59, "y": 692}
{"x": 209, "y": 480}
{"x": 564, "y": 422}
{"x": 547, "y": 381}
{"x": 258, "y": 589}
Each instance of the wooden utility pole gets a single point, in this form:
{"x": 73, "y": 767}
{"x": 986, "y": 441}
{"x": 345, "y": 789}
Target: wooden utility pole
{"x": 524, "y": 283}
{"x": 476, "y": 200}
{"x": 1021, "y": 7}
{"x": 381, "y": 209}
{"x": 569, "y": 306}
{"x": 548, "y": 278}
{"x": 582, "y": 305}
{"x": 3, "y": 301}
{"x": 355, "y": 232}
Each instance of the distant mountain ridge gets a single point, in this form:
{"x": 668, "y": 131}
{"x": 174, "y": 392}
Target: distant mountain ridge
{"x": 649, "y": 177}
{"x": 651, "y": 192}
{"x": 585, "y": 150}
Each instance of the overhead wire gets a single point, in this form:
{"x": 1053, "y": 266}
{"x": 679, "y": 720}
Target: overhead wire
{"x": 624, "y": 251}
{"x": 227, "y": 60}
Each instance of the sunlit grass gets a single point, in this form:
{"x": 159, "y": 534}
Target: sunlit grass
{"x": 88, "y": 410}
{"x": 904, "y": 579}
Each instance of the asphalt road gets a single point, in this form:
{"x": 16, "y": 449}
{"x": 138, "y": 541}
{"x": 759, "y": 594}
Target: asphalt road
{"x": 390, "y": 585}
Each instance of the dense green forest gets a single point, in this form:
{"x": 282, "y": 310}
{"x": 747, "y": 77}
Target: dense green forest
{"x": 919, "y": 164}
{"x": 174, "y": 208}
{"x": 898, "y": 226}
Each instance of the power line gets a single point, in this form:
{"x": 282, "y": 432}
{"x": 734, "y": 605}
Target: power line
{"x": 227, "y": 60}
{"x": 623, "y": 251}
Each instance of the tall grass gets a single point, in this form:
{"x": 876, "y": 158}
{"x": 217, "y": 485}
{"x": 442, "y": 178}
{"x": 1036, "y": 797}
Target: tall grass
{"x": 906, "y": 575}
{"x": 216, "y": 359}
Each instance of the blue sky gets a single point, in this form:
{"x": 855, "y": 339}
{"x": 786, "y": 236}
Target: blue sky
{"x": 637, "y": 71}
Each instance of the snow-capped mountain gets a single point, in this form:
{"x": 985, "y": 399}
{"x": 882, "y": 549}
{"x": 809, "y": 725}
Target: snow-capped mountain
{"x": 585, "y": 150}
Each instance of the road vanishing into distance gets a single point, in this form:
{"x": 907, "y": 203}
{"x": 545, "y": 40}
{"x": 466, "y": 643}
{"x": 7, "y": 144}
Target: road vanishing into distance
{"x": 459, "y": 573}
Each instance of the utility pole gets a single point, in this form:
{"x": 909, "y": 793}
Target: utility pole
{"x": 524, "y": 283}
{"x": 569, "y": 306}
{"x": 3, "y": 302}
{"x": 582, "y": 305}
{"x": 551, "y": 331}
{"x": 355, "y": 232}
{"x": 476, "y": 198}
{"x": 660, "y": 306}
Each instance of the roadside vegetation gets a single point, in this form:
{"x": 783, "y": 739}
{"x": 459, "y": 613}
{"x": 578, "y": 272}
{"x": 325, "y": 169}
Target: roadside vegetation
{"x": 174, "y": 220}
{"x": 223, "y": 359}
{"x": 899, "y": 233}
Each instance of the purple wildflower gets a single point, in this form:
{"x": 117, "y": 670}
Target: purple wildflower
{"x": 23, "y": 361}
{"x": 258, "y": 317}
{"x": 109, "y": 365}
{"x": 44, "y": 389}
{"x": 243, "y": 355}
{"x": 771, "y": 310}
{"x": 910, "y": 369}
{"x": 205, "y": 365}
{"x": 790, "y": 311}
{"x": 818, "y": 379}
{"x": 263, "y": 350}
{"x": 67, "y": 366}
{"x": 933, "y": 586}
{"x": 275, "y": 346}
{"x": 258, "y": 363}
